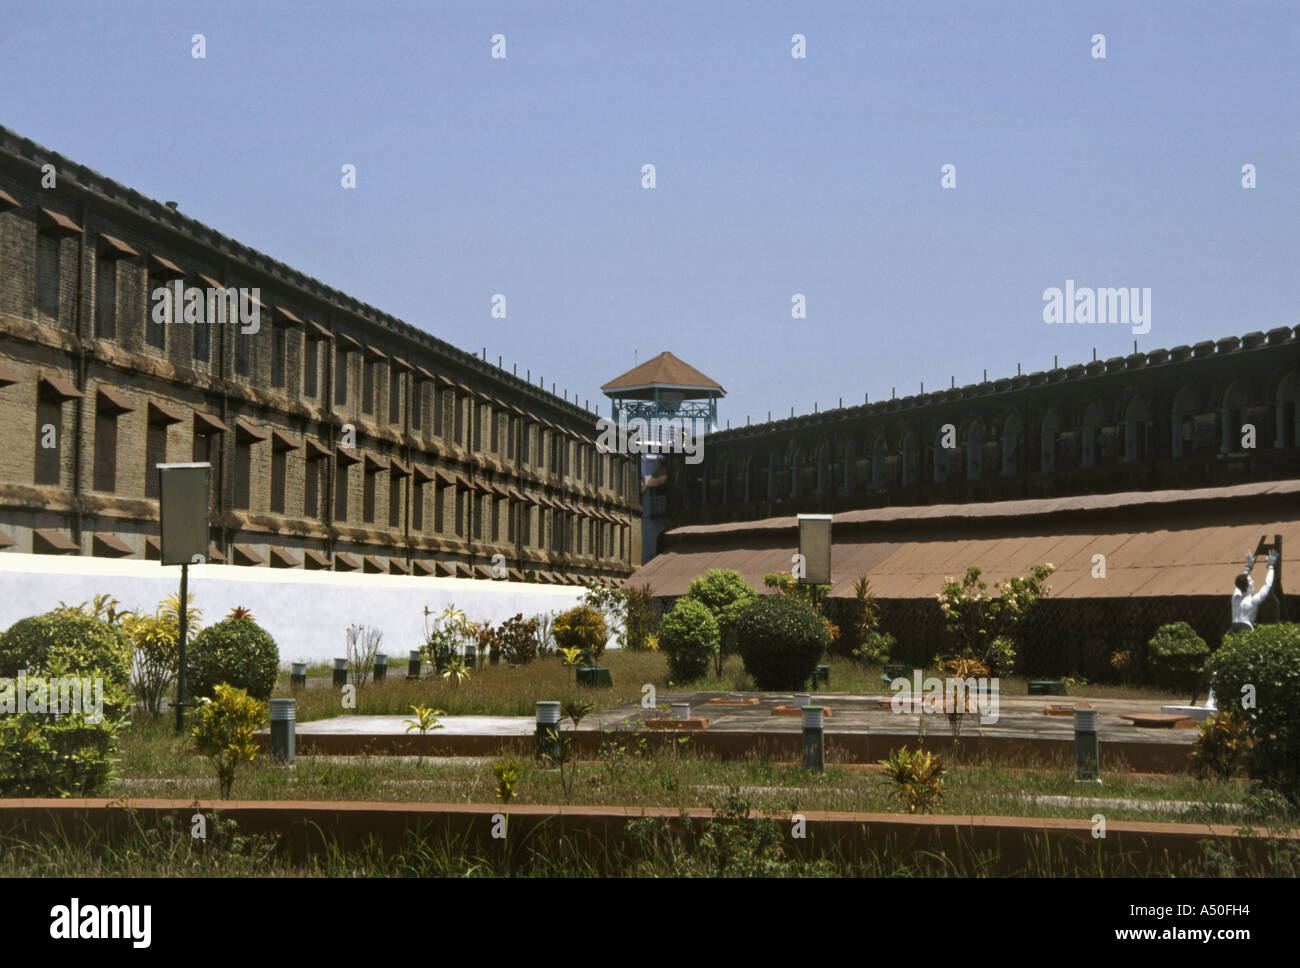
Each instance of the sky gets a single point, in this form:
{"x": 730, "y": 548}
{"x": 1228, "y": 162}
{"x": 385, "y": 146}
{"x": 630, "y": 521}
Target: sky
{"x": 774, "y": 175}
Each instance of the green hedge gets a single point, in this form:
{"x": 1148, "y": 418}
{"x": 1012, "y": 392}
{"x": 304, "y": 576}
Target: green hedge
{"x": 238, "y": 652}
{"x": 781, "y": 641}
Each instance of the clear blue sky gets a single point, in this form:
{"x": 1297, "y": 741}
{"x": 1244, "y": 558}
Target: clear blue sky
{"x": 775, "y": 175}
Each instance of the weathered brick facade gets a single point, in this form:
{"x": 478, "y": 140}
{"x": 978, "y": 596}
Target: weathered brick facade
{"x": 1165, "y": 419}
{"x": 340, "y": 437}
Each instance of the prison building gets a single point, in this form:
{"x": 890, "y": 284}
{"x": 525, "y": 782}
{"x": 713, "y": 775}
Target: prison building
{"x": 340, "y": 437}
{"x": 1215, "y": 414}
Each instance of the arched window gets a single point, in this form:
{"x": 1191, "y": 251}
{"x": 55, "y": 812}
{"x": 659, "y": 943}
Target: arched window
{"x": 878, "y": 462}
{"x": 975, "y": 451}
{"x": 796, "y": 473}
{"x": 1288, "y": 429}
{"x": 908, "y": 453}
{"x": 1182, "y": 424}
{"x": 941, "y": 454}
{"x": 773, "y": 468}
{"x": 824, "y": 470}
{"x": 1011, "y": 445}
{"x": 1137, "y": 430}
{"x": 1048, "y": 435}
{"x": 850, "y": 458}
{"x": 1088, "y": 428}
{"x": 1232, "y": 413}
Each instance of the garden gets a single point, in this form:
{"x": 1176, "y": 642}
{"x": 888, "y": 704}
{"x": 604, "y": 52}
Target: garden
{"x": 719, "y": 791}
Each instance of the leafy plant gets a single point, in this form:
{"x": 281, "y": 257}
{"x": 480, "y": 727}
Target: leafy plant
{"x": 689, "y": 636}
{"x": 507, "y": 773}
{"x": 236, "y": 651}
{"x": 224, "y": 731}
{"x": 876, "y": 648}
{"x": 426, "y": 719}
{"x": 1176, "y": 655}
{"x": 582, "y": 628}
{"x": 781, "y": 641}
{"x": 241, "y": 613}
{"x": 445, "y": 636}
{"x": 545, "y": 640}
{"x": 1258, "y": 672}
{"x": 917, "y": 778}
{"x": 517, "y": 637}
{"x": 962, "y": 669}
{"x": 572, "y": 658}
{"x": 984, "y": 627}
{"x": 455, "y": 670}
{"x": 639, "y": 617}
{"x": 726, "y": 595}
{"x": 1223, "y": 746}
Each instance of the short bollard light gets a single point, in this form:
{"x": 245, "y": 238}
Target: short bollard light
{"x": 413, "y": 665}
{"x": 823, "y": 674}
{"x": 340, "y": 672}
{"x": 801, "y": 700}
{"x": 1087, "y": 748}
{"x": 548, "y": 730}
{"x": 282, "y": 729}
{"x": 471, "y": 656}
{"x": 381, "y": 667}
{"x": 298, "y": 675}
{"x": 681, "y": 710}
{"x": 814, "y": 739}
{"x": 735, "y": 697}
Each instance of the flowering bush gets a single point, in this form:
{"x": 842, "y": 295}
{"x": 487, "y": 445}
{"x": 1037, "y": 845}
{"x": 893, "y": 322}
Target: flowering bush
{"x": 983, "y": 627}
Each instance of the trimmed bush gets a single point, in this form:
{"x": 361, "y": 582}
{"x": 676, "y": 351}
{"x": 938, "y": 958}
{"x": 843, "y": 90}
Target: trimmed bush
{"x": 237, "y": 652}
{"x": 1258, "y": 672}
{"x": 689, "y": 636}
{"x": 726, "y": 594}
{"x": 44, "y": 755}
{"x": 781, "y": 641}
{"x": 581, "y": 628}
{"x": 224, "y": 731}
{"x": 1176, "y": 655}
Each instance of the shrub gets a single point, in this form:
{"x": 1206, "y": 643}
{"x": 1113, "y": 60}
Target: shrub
{"x": 1259, "y": 672}
{"x": 224, "y": 728}
{"x": 876, "y": 648}
{"x": 690, "y": 637}
{"x": 237, "y": 652}
{"x": 781, "y": 640}
{"x": 983, "y": 627}
{"x": 917, "y": 778}
{"x": 47, "y": 755}
{"x": 726, "y": 594}
{"x": 639, "y": 617}
{"x": 1176, "y": 655}
{"x": 69, "y": 642}
{"x": 517, "y": 637}
{"x": 581, "y": 628}
{"x": 1223, "y": 747}
{"x": 861, "y": 621}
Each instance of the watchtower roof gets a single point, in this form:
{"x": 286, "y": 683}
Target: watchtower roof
{"x": 665, "y": 372}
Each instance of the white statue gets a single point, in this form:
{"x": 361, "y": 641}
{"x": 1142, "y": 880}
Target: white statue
{"x": 1246, "y": 601}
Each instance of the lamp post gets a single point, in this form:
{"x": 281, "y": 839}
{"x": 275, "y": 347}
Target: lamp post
{"x": 183, "y": 537}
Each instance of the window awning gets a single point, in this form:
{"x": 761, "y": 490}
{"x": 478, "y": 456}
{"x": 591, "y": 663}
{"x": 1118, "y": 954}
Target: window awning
{"x": 424, "y": 373}
{"x": 316, "y": 559}
{"x": 285, "y": 316}
{"x": 517, "y": 495}
{"x": 482, "y": 571}
{"x": 463, "y": 570}
{"x": 398, "y": 468}
{"x": 60, "y": 388}
{"x": 445, "y": 380}
{"x": 109, "y": 545}
{"x": 516, "y": 574}
{"x": 7, "y": 201}
{"x": 400, "y": 363}
{"x": 396, "y": 566}
{"x": 372, "y": 566}
{"x": 425, "y": 566}
{"x": 375, "y": 352}
{"x": 247, "y": 432}
{"x": 205, "y": 423}
{"x": 161, "y": 413}
{"x": 7, "y": 376}
{"x": 282, "y": 441}
{"x": 58, "y": 223}
{"x": 345, "y": 562}
{"x": 422, "y": 475}
{"x": 447, "y": 477}
{"x": 113, "y": 401}
{"x": 316, "y": 331}
{"x": 316, "y": 450}
{"x": 346, "y": 456}
{"x": 215, "y": 554}
{"x": 211, "y": 283}
{"x": 111, "y": 247}
{"x": 375, "y": 462}
{"x": 280, "y": 558}
{"x": 47, "y": 540}
{"x": 160, "y": 266}
{"x": 347, "y": 342}
{"x": 446, "y": 569}
{"x": 248, "y": 555}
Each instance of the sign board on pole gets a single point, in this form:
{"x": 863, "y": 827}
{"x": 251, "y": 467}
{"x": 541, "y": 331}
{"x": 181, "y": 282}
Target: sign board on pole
{"x": 183, "y": 512}
{"x": 815, "y": 546}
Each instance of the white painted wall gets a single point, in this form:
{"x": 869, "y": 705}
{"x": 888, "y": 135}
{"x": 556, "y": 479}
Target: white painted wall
{"x": 306, "y": 612}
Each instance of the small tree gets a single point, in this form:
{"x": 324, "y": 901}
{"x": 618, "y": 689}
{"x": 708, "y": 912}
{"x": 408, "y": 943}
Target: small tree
{"x": 690, "y": 638}
{"x": 726, "y": 595}
{"x": 582, "y": 628}
{"x": 982, "y": 627}
{"x": 362, "y": 646}
{"x": 224, "y": 731}
{"x": 517, "y": 638}
{"x": 640, "y": 617}
{"x": 445, "y": 636}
